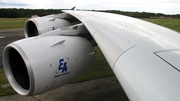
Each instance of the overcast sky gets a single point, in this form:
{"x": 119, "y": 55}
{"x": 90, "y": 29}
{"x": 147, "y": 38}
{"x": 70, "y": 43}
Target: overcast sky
{"x": 155, "y": 6}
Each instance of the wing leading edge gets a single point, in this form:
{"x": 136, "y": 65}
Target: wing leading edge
{"x": 136, "y": 51}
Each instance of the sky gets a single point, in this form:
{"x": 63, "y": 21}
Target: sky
{"x": 153, "y": 6}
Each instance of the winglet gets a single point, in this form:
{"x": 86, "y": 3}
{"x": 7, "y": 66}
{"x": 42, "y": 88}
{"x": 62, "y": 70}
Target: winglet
{"x": 73, "y": 8}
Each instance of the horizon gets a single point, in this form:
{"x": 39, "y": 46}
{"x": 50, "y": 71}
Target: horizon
{"x": 87, "y": 10}
{"x": 155, "y": 6}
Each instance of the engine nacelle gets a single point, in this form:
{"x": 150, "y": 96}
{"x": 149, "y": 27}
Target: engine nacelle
{"x": 39, "y": 64}
{"x": 40, "y": 25}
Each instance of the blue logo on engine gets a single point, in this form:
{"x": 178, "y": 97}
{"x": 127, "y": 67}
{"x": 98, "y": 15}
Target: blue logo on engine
{"x": 62, "y": 65}
{"x": 53, "y": 28}
{"x": 62, "y": 69}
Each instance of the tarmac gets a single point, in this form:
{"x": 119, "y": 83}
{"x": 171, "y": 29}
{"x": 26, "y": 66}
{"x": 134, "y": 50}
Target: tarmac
{"x": 103, "y": 89}
{"x": 8, "y": 36}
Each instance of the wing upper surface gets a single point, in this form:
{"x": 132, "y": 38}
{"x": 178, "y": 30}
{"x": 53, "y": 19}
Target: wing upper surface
{"x": 130, "y": 47}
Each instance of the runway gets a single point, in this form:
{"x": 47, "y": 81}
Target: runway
{"x": 8, "y": 36}
{"x": 104, "y": 89}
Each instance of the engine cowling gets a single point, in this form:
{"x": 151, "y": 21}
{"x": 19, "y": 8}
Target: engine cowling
{"x": 40, "y": 25}
{"x": 39, "y": 64}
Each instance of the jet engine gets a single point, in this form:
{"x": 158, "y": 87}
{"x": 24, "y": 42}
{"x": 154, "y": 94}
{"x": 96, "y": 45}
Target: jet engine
{"x": 40, "y": 25}
{"x": 39, "y": 64}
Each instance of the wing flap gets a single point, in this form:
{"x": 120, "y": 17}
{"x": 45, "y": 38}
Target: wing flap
{"x": 171, "y": 57}
{"x": 146, "y": 77}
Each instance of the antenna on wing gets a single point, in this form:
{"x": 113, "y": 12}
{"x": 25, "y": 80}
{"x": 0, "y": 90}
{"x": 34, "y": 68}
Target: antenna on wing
{"x": 73, "y": 8}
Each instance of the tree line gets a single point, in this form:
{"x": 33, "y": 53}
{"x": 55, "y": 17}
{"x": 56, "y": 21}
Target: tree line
{"x": 20, "y": 13}
{"x": 143, "y": 14}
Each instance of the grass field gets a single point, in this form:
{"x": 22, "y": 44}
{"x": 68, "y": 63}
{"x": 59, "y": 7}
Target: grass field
{"x": 169, "y": 23}
{"x": 4, "y": 90}
{"x": 101, "y": 67}
{"x": 12, "y": 23}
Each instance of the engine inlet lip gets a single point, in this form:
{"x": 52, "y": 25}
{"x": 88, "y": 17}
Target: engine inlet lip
{"x": 9, "y": 74}
{"x": 35, "y": 27}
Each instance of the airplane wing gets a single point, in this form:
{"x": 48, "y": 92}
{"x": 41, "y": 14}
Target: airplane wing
{"x": 144, "y": 56}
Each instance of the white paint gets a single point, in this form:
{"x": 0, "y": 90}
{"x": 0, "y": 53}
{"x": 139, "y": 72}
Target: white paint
{"x": 2, "y": 37}
{"x": 143, "y": 75}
